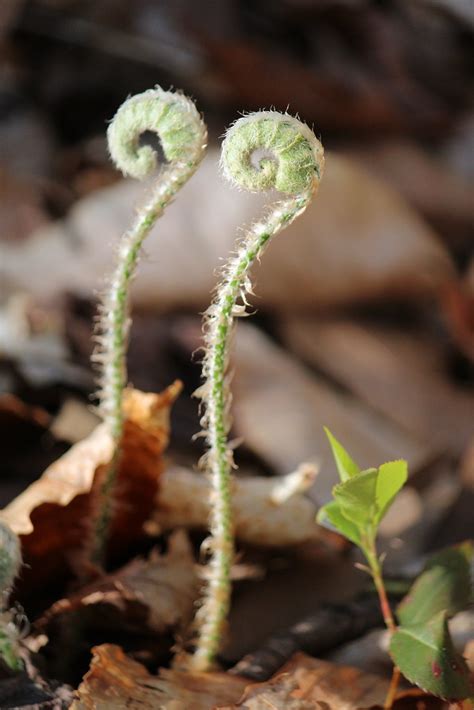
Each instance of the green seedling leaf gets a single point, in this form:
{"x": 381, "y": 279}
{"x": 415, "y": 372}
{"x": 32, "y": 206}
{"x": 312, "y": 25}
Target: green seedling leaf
{"x": 332, "y": 513}
{"x": 357, "y": 497}
{"x": 363, "y": 497}
{"x": 425, "y": 655}
{"x": 391, "y": 478}
{"x": 445, "y": 585}
{"x": 346, "y": 466}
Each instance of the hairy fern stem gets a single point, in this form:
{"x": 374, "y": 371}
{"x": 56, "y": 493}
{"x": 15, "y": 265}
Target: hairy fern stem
{"x": 183, "y": 137}
{"x": 294, "y": 165}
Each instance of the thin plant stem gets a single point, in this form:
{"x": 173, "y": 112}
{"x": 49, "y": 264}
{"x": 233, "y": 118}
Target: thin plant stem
{"x": 384, "y": 603}
{"x": 230, "y": 302}
{"x": 376, "y": 572}
{"x": 183, "y": 136}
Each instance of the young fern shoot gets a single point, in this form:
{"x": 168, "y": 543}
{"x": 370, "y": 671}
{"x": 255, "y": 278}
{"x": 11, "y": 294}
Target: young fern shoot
{"x": 261, "y": 151}
{"x": 183, "y": 137}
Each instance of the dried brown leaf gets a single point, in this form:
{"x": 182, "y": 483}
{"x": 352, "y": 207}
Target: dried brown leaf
{"x": 428, "y": 183}
{"x": 142, "y": 607}
{"x": 165, "y": 586}
{"x": 268, "y": 380}
{"x": 380, "y": 365}
{"x": 15, "y": 412}
{"x": 359, "y": 240}
{"x": 115, "y": 682}
{"x": 306, "y": 683}
{"x": 22, "y": 211}
{"x": 53, "y": 515}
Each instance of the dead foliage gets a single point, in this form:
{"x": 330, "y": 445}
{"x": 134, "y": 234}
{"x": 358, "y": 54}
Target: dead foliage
{"x": 53, "y": 515}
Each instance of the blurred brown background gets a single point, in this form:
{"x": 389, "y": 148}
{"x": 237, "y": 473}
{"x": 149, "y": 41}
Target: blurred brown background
{"x": 365, "y": 315}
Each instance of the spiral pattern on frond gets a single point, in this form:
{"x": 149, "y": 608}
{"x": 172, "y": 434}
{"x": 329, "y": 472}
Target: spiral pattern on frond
{"x": 261, "y": 151}
{"x": 268, "y": 150}
{"x": 178, "y": 124}
{"x": 172, "y": 116}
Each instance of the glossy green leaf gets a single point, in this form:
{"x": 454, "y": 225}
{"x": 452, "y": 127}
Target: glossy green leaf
{"x": 357, "y": 497}
{"x": 363, "y": 497}
{"x": 445, "y": 585}
{"x": 391, "y": 478}
{"x": 332, "y": 513}
{"x": 346, "y": 466}
{"x": 425, "y": 655}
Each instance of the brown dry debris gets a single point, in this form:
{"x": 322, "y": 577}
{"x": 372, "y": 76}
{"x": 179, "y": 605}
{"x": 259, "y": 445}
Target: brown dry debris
{"x": 165, "y": 585}
{"x": 141, "y": 607}
{"x": 259, "y": 518}
{"x": 22, "y": 211}
{"x": 12, "y": 408}
{"x": 306, "y": 683}
{"x": 115, "y": 682}
{"x": 267, "y": 379}
{"x": 52, "y": 514}
{"x": 359, "y": 241}
{"x": 401, "y": 376}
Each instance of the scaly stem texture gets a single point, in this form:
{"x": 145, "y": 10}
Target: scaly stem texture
{"x": 183, "y": 137}
{"x": 292, "y": 162}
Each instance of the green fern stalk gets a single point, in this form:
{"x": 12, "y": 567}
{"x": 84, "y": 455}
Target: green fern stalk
{"x": 261, "y": 151}
{"x": 183, "y": 138}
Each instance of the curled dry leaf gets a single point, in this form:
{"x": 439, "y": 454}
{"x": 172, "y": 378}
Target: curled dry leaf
{"x": 268, "y": 380}
{"x": 114, "y": 682}
{"x": 52, "y": 516}
{"x": 379, "y": 365}
{"x": 428, "y": 183}
{"x": 22, "y": 209}
{"x": 165, "y": 585}
{"x": 306, "y": 683}
{"x": 141, "y": 606}
{"x": 359, "y": 240}
{"x": 184, "y": 501}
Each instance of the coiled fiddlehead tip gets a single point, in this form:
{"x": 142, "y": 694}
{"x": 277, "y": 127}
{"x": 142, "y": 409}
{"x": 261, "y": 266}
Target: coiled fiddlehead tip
{"x": 268, "y": 149}
{"x": 172, "y": 116}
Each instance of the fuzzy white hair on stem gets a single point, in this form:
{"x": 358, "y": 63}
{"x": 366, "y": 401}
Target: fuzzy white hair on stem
{"x": 261, "y": 151}
{"x": 183, "y": 135}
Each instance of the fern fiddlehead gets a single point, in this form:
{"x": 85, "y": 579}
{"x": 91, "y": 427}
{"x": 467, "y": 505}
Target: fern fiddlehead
{"x": 261, "y": 151}
{"x": 183, "y": 137}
